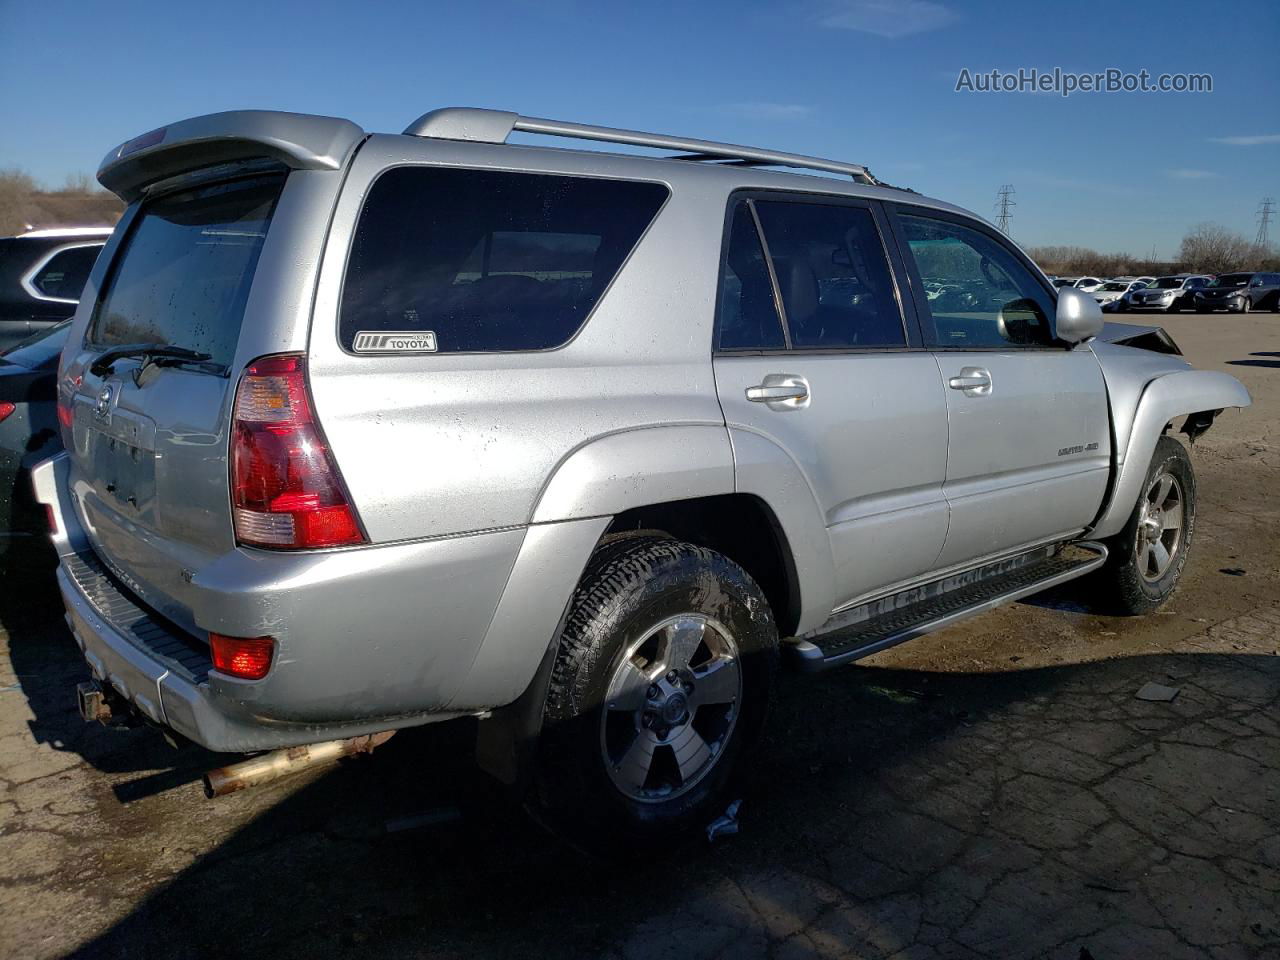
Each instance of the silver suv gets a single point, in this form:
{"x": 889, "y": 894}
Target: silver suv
{"x": 365, "y": 431}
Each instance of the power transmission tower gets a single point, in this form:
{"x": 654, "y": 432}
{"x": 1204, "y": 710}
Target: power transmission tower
{"x": 1003, "y": 203}
{"x": 1263, "y": 241}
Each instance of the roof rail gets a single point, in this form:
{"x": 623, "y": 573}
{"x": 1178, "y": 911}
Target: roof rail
{"x": 494, "y": 126}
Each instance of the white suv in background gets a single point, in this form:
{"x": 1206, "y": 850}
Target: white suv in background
{"x": 1113, "y": 290}
{"x": 1083, "y": 284}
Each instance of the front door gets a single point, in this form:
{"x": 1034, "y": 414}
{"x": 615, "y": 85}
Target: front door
{"x": 813, "y": 355}
{"x": 1028, "y": 452}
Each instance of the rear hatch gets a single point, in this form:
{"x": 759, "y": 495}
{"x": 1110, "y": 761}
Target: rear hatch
{"x": 149, "y": 435}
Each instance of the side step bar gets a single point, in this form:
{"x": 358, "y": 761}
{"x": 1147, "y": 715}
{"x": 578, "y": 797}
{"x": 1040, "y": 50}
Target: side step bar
{"x": 888, "y": 629}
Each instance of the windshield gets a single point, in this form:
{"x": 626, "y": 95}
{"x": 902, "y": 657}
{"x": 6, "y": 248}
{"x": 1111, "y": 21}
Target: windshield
{"x": 1116, "y": 285}
{"x": 1231, "y": 280}
{"x": 1168, "y": 283}
{"x": 183, "y": 276}
{"x": 39, "y": 351}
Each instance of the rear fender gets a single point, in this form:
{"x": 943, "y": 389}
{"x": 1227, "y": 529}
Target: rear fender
{"x": 635, "y": 468}
{"x": 1163, "y": 399}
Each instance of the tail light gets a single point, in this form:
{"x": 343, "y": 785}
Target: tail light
{"x": 248, "y": 658}
{"x": 6, "y": 409}
{"x": 285, "y": 489}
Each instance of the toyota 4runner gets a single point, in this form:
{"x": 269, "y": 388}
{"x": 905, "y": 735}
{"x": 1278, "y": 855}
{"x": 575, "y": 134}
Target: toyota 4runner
{"x": 366, "y": 431}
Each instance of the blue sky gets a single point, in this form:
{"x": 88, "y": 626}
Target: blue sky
{"x": 871, "y": 81}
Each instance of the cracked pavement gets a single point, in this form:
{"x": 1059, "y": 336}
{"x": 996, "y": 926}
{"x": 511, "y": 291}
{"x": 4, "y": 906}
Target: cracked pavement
{"x": 991, "y": 791}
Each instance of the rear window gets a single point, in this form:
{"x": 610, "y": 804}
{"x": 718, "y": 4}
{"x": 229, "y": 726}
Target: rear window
{"x": 183, "y": 275}
{"x": 483, "y": 261}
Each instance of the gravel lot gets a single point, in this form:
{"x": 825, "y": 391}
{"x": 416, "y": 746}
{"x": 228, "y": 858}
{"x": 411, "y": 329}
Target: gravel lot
{"x": 994, "y": 790}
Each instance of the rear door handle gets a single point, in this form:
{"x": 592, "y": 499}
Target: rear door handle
{"x": 781, "y": 391}
{"x": 974, "y": 381}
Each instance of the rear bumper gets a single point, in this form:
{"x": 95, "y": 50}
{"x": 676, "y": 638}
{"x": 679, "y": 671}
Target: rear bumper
{"x": 367, "y": 639}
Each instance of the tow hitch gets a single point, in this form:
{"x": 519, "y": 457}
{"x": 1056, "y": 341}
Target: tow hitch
{"x": 283, "y": 763}
{"x": 95, "y": 703}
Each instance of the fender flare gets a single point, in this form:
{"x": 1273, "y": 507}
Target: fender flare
{"x": 1163, "y": 399}
{"x": 634, "y": 468}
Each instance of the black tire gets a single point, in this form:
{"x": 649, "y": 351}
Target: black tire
{"x": 1246, "y": 305}
{"x": 629, "y": 588}
{"x": 1123, "y": 586}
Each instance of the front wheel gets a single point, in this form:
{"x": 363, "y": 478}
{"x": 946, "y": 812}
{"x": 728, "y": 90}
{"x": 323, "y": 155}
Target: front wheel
{"x": 1246, "y": 305}
{"x": 1146, "y": 558}
{"x": 663, "y": 676}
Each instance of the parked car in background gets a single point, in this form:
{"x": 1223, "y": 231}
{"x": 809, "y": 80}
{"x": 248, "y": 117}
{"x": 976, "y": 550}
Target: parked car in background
{"x": 579, "y": 444}
{"x": 28, "y": 429}
{"x": 1240, "y": 293}
{"x": 1167, "y": 294}
{"x": 41, "y": 275}
{"x": 1113, "y": 290}
{"x": 1086, "y": 284}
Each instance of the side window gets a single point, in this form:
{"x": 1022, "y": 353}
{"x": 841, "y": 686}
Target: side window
{"x": 64, "y": 276}
{"x": 833, "y": 275}
{"x": 979, "y": 294}
{"x": 748, "y": 318}
{"x": 486, "y": 260}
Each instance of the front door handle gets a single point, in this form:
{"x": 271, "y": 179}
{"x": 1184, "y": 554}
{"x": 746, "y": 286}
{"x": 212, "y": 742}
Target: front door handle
{"x": 781, "y": 391}
{"x": 974, "y": 381}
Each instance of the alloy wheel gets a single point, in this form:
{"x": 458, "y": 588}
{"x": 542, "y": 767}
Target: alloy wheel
{"x": 1160, "y": 526}
{"x": 670, "y": 708}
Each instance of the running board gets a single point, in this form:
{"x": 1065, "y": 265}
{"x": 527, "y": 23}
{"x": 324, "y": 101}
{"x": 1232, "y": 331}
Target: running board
{"x": 844, "y": 645}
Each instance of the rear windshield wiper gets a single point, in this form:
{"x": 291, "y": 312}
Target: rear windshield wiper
{"x": 154, "y": 352}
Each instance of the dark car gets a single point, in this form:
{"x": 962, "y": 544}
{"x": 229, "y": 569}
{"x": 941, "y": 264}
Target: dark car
{"x": 1240, "y": 293}
{"x": 41, "y": 276}
{"x": 28, "y": 429}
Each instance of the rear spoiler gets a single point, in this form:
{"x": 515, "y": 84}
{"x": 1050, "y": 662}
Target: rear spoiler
{"x": 297, "y": 140}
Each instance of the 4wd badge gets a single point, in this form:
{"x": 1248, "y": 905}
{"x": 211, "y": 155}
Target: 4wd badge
{"x": 395, "y": 341}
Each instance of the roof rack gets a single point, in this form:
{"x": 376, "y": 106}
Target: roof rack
{"x": 494, "y": 126}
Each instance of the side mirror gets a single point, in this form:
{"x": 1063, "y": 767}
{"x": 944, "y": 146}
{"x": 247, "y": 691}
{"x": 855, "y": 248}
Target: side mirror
{"x": 1079, "y": 317}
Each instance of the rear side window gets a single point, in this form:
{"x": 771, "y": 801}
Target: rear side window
{"x": 483, "y": 261}
{"x": 749, "y": 317}
{"x": 64, "y": 275}
{"x": 183, "y": 275}
{"x": 833, "y": 275}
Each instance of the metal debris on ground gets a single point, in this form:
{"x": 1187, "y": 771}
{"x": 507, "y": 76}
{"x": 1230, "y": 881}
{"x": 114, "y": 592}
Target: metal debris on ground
{"x": 1157, "y": 692}
{"x": 726, "y": 824}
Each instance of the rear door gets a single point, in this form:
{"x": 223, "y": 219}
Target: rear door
{"x": 1028, "y": 451}
{"x": 814, "y": 353}
{"x": 149, "y": 442}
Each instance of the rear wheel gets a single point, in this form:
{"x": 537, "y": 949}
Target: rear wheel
{"x": 663, "y": 676}
{"x": 1146, "y": 558}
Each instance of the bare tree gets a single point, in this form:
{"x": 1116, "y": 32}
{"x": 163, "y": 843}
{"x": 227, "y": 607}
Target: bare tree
{"x": 1212, "y": 248}
{"x": 24, "y": 204}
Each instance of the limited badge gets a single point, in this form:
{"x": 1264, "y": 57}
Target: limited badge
{"x": 395, "y": 341}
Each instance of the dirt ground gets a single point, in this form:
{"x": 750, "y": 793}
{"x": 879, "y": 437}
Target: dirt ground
{"x": 994, "y": 790}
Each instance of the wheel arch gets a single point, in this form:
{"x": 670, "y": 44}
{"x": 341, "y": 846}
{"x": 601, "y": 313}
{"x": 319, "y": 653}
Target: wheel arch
{"x": 740, "y": 526}
{"x": 1198, "y": 394}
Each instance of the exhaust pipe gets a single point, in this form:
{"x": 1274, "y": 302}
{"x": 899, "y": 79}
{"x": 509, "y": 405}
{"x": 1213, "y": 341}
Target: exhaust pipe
{"x": 283, "y": 763}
